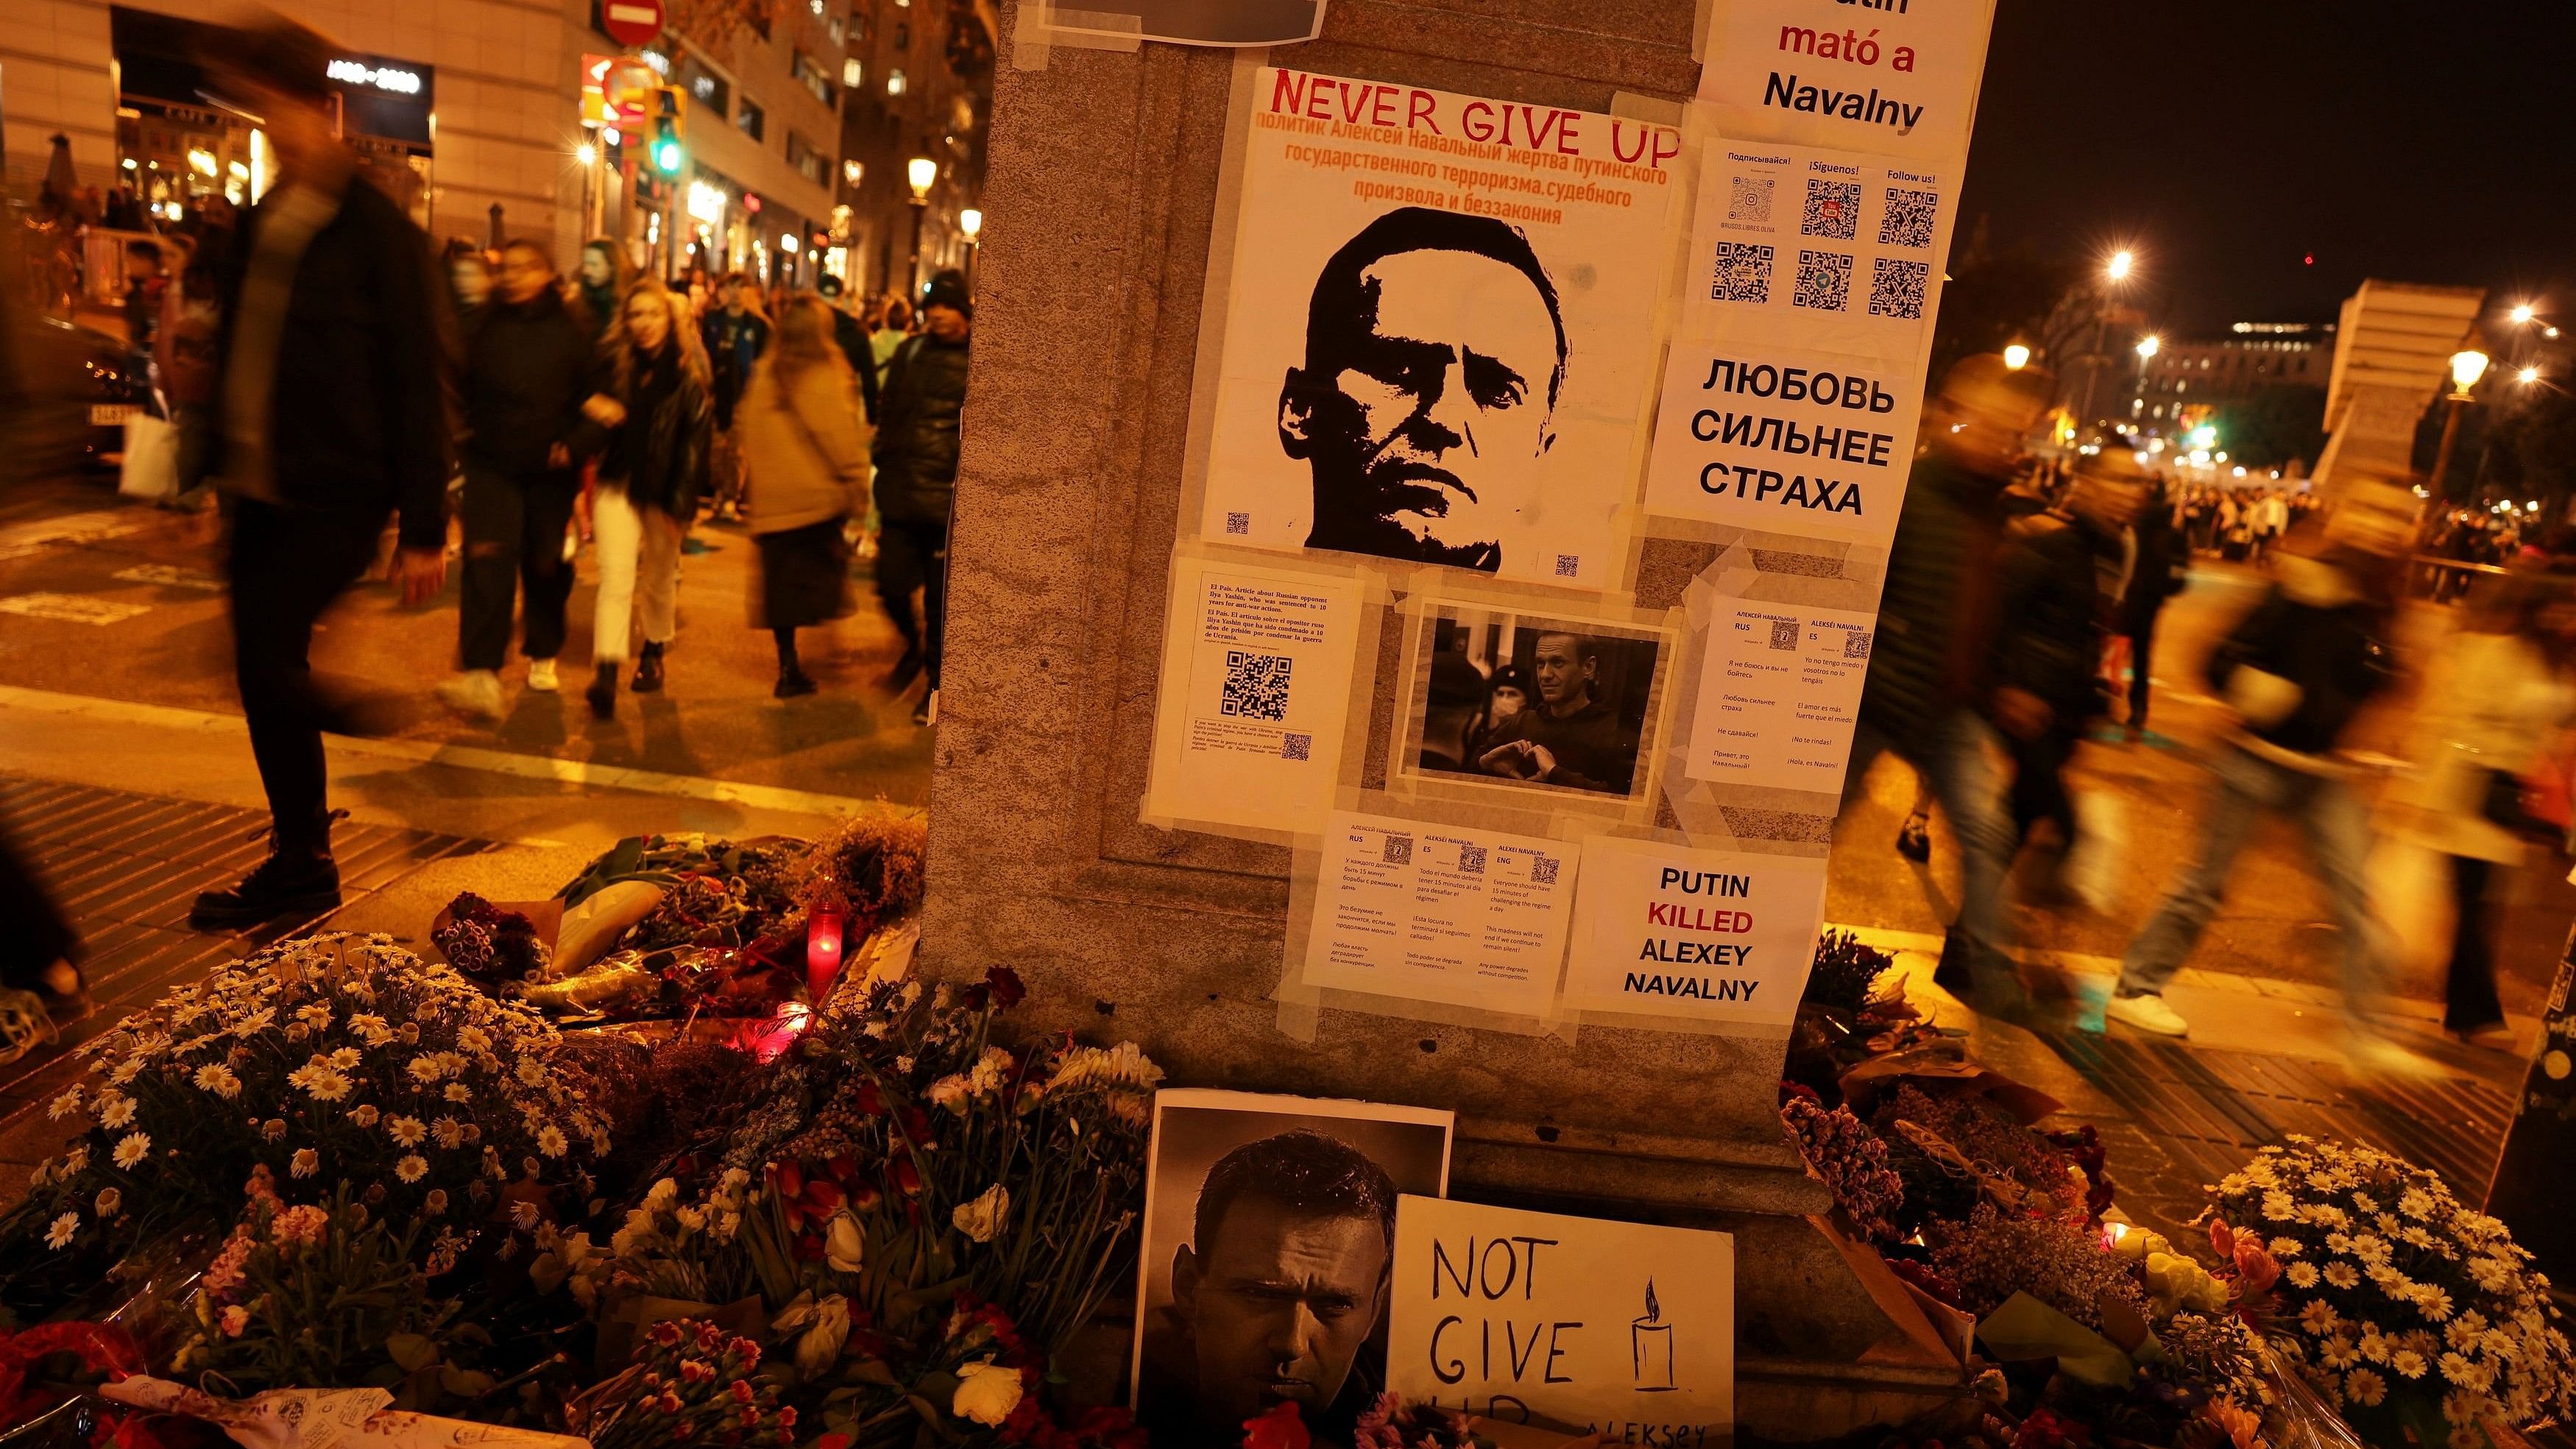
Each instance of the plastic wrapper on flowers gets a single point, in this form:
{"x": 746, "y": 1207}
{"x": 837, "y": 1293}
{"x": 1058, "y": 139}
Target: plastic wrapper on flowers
{"x": 323, "y": 1419}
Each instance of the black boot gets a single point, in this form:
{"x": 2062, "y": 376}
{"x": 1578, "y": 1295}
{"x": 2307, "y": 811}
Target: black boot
{"x": 648, "y": 670}
{"x": 602, "y": 693}
{"x": 295, "y": 880}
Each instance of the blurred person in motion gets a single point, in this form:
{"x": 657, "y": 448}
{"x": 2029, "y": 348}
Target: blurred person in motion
{"x": 808, "y": 477}
{"x": 851, "y": 336}
{"x": 605, "y": 276}
{"x": 647, "y": 420}
{"x": 332, "y": 416}
{"x": 527, "y": 369}
{"x": 894, "y": 324}
{"x": 469, "y": 279}
{"x": 1936, "y": 620}
{"x": 916, "y": 483}
{"x": 2058, "y": 573}
{"x": 734, "y": 335}
{"x": 147, "y": 280}
{"x": 2497, "y": 692}
{"x": 191, "y": 333}
{"x": 2159, "y": 566}
{"x": 2292, "y": 676}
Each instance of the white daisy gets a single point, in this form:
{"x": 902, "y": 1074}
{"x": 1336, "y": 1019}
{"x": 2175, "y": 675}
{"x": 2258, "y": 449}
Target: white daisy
{"x": 132, "y": 1148}
{"x": 550, "y": 1141}
{"x": 117, "y": 1111}
{"x": 407, "y": 1131}
{"x": 60, "y": 1234}
{"x": 217, "y": 1078}
{"x": 305, "y": 1163}
{"x": 412, "y": 1168}
{"x": 64, "y": 1105}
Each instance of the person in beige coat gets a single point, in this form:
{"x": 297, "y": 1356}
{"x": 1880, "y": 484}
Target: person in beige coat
{"x": 2496, "y": 695}
{"x": 806, "y": 462}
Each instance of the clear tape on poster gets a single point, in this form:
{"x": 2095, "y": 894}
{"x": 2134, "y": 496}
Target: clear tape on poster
{"x": 1083, "y": 29}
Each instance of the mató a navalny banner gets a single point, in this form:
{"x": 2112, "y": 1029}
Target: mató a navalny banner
{"x": 1894, "y": 77}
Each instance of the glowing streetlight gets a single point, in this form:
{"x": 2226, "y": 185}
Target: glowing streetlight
{"x": 2121, "y": 264}
{"x": 2148, "y": 347}
{"x": 2522, "y": 312}
{"x": 2467, "y": 366}
{"x": 585, "y": 153}
{"x": 2527, "y": 376}
{"x": 970, "y": 223}
{"x": 2016, "y": 357}
{"x": 919, "y": 173}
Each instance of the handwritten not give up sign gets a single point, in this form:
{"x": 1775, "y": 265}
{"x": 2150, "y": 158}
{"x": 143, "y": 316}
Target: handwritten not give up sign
{"x": 1581, "y": 1323}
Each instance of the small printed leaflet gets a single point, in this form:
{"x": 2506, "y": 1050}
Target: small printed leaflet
{"x": 1779, "y": 695}
{"x": 1785, "y": 441}
{"x": 1619, "y": 1329}
{"x": 1425, "y": 912}
{"x": 1897, "y": 77}
{"x": 1256, "y": 681}
{"x": 1720, "y": 937}
{"x": 1834, "y": 251}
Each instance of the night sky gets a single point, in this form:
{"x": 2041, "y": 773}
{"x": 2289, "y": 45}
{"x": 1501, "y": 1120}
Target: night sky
{"x": 2226, "y": 140}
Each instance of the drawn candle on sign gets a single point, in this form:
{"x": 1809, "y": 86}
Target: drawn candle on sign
{"x": 1650, "y": 1348}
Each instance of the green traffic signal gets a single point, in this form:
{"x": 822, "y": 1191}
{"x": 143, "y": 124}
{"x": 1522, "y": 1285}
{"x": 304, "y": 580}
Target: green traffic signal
{"x": 666, "y": 155}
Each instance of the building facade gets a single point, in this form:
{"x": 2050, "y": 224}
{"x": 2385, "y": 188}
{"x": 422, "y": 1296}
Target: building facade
{"x": 2188, "y": 378}
{"x": 470, "y": 112}
{"x": 920, "y": 74}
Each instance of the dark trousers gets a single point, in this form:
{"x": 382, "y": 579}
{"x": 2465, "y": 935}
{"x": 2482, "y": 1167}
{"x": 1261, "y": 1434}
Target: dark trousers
{"x": 2039, "y": 781}
{"x": 514, "y": 534}
{"x": 286, "y": 568}
{"x": 914, "y": 555}
{"x": 2142, "y": 651}
{"x": 2469, "y": 989}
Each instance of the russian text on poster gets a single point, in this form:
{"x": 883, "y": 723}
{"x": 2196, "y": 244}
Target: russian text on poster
{"x": 1618, "y": 1328}
{"x": 1897, "y": 77}
{"x": 1713, "y": 937}
{"x": 1472, "y": 918}
{"x": 1784, "y": 441}
{"x": 1779, "y": 695}
{"x": 1440, "y": 328}
{"x": 1255, "y": 693}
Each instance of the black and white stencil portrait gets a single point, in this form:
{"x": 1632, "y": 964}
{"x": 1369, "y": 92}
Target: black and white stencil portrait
{"x": 1439, "y": 330}
{"x": 1269, "y": 1238}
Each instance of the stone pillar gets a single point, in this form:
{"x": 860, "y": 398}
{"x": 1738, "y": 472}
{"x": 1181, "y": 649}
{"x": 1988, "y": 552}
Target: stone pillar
{"x": 1100, "y": 203}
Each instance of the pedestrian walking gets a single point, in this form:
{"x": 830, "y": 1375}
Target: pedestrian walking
{"x": 648, "y": 422}
{"x": 851, "y": 336}
{"x": 734, "y": 336}
{"x": 894, "y": 324}
{"x": 916, "y": 482}
{"x": 469, "y": 279}
{"x": 1936, "y": 618}
{"x": 2058, "y": 574}
{"x": 2160, "y": 564}
{"x": 2293, "y": 674}
{"x": 807, "y": 465}
{"x": 2498, "y": 691}
{"x": 332, "y": 416}
{"x": 528, "y": 361}
{"x": 605, "y": 276}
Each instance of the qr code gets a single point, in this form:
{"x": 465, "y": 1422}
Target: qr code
{"x": 1543, "y": 870}
{"x": 1908, "y": 222}
{"x": 1399, "y": 850}
{"x": 1471, "y": 860}
{"x": 1568, "y": 565}
{"x": 1784, "y": 633}
{"x": 1833, "y": 210}
{"x": 1824, "y": 281}
{"x": 1749, "y": 198}
{"x": 1238, "y": 523}
{"x": 1296, "y": 747}
{"x": 1856, "y": 644}
{"x": 1256, "y": 686}
{"x": 1743, "y": 273}
{"x": 1896, "y": 288}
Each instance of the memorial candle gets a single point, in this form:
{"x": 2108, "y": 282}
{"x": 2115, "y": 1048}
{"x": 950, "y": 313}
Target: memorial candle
{"x": 1650, "y": 1346}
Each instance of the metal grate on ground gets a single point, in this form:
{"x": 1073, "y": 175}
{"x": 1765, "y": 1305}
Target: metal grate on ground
{"x": 2190, "y": 1117}
{"x": 125, "y": 868}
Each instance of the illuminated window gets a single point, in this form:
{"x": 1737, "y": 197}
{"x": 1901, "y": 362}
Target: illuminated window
{"x": 894, "y": 82}
{"x": 852, "y": 73}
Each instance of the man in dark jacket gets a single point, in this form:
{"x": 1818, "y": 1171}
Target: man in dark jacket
{"x": 916, "y": 483}
{"x": 2293, "y": 676}
{"x": 527, "y": 369}
{"x": 851, "y": 336}
{"x": 2056, "y": 578}
{"x": 332, "y": 414}
{"x": 735, "y": 335}
{"x": 2159, "y": 567}
{"x": 1927, "y": 661}
{"x": 1572, "y": 737}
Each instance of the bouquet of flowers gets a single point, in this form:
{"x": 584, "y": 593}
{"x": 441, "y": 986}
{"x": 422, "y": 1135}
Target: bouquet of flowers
{"x": 2414, "y": 1314}
{"x": 489, "y": 944}
{"x": 336, "y": 1059}
{"x": 690, "y": 1383}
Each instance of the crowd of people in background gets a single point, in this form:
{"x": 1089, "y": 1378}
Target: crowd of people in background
{"x": 333, "y": 379}
{"x": 2020, "y": 597}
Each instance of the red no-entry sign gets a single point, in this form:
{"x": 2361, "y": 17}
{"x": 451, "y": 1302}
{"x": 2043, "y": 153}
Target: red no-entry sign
{"x": 631, "y": 22}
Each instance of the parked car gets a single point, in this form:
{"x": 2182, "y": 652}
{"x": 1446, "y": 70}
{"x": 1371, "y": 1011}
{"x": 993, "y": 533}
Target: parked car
{"x": 67, "y": 390}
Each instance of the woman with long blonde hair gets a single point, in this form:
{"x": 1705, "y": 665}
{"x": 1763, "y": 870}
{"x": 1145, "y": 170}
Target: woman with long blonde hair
{"x": 648, "y": 421}
{"x": 808, "y": 477}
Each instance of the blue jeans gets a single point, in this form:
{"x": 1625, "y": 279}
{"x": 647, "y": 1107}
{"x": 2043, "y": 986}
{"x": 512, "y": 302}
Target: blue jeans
{"x": 1956, "y": 758}
{"x": 2337, "y": 828}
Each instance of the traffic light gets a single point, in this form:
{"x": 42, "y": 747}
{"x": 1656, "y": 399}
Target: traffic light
{"x": 666, "y": 131}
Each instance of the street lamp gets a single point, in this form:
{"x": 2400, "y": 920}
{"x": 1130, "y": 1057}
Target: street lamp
{"x": 2016, "y": 357}
{"x": 2522, "y": 313}
{"x": 2115, "y": 271}
{"x": 2148, "y": 347}
{"x": 2527, "y": 376}
{"x": 2121, "y": 263}
{"x": 920, "y": 173}
{"x": 2467, "y": 366}
{"x": 970, "y": 224}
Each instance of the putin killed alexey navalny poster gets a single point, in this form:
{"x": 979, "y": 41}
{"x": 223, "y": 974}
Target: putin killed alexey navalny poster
{"x": 1439, "y": 329}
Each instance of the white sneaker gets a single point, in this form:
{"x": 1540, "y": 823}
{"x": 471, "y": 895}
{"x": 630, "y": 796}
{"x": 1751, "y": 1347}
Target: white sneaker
{"x": 2146, "y": 1012}
{"x": 541, "y": 675}
{"x": 476, "y": 692}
